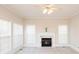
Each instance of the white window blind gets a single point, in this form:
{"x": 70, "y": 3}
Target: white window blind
{"x": 63, "y": 33}
{"x": 30, "y": 34}
{"x": 5, "y": 28}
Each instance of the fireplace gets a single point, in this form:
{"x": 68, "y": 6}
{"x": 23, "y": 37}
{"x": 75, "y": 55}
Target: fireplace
{"x": 46, "y": 42}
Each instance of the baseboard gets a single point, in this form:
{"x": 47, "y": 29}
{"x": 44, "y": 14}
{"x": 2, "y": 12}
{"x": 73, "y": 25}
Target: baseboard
{"x": 15, "y": 50}
{"x": 62, "y": 45}
{"x": 75, "y": 48}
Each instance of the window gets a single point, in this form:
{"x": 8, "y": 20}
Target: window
{"x": 63, "y": 34}
{"x": 17, "y": 35}
{"x": 5, "y": 28}
{"x": 30, "y": 33}
{"x": 17, "y": 29}
{"x": 11, "y": 36}
{"x": 5, "y": 36}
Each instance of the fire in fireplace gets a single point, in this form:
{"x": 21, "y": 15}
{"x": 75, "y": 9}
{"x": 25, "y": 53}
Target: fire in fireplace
{"x": 46, "y": 42}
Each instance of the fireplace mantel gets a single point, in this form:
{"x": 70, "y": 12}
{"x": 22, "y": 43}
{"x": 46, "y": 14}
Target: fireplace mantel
{"x": 48, "y": 35}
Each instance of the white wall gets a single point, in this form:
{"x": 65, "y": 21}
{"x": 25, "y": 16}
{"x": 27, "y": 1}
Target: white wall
{"x": 41, "y": 23}
{"x": 74, "y": 32}
{"x": 7, "y": 15}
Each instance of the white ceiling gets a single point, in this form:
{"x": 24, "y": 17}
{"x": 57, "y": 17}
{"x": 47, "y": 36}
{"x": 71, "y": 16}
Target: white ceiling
{"x": 35, "y": 10}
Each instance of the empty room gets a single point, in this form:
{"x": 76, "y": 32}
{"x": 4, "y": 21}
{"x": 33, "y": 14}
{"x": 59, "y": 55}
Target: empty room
{"x": 39, "y": 28}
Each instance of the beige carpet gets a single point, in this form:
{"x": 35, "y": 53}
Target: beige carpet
{"x": 64, "y": 50}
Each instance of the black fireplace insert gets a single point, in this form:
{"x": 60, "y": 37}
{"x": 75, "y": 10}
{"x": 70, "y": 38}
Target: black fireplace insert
{"x": 46, "y": 42}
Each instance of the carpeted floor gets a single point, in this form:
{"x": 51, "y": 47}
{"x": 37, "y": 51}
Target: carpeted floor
{"x": 58, "y": 50}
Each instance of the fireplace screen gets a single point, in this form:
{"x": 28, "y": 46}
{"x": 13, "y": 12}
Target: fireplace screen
{"x": 46, "y": 42}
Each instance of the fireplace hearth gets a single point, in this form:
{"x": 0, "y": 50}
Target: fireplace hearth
{"x": 46, "y": 42}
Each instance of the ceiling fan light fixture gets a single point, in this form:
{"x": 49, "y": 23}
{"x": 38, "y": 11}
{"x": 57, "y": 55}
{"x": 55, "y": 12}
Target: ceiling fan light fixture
{"x": 49, "y": 9}
{"x": 44, "y": 11}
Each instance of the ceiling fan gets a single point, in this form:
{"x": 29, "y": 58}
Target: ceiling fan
{"x": 47, "y": 8}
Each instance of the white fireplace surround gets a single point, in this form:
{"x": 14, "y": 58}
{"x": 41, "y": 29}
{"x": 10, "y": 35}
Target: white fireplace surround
{"x": 48, "y": 35}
